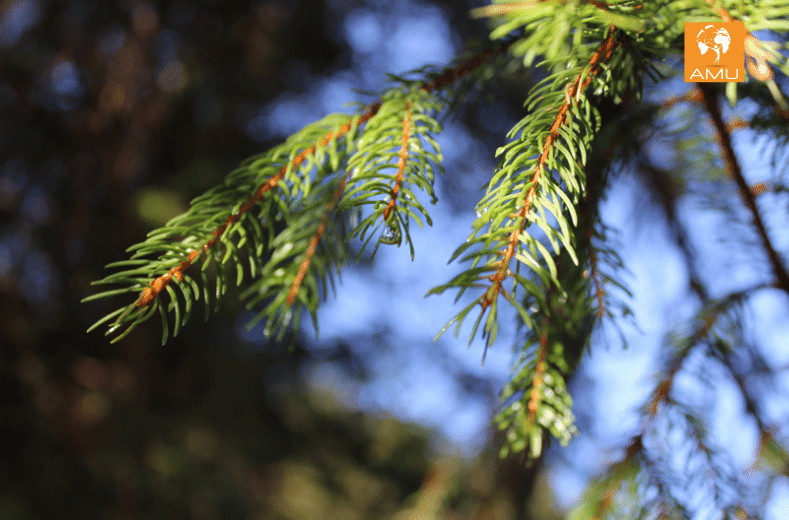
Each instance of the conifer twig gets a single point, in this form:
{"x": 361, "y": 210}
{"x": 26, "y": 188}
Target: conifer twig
{"x": 392, "y": 205}
{"x": 733, "y": 166}
{"x": 463, "y": 69}
{"x": 615, "y": 475}
{"x": 313, "y": 246}
{"x": 694, "y": 95}
{"x": 157, "y": 285}
{"x": 601, "y": 55}
{"x": 539, "y": 375}
{"x": 598, "y": 284}
{"x": 664, "y": 386}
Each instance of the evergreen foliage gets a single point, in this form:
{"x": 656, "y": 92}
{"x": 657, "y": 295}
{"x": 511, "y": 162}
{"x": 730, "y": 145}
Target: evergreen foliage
{"x": 285, "y": 222}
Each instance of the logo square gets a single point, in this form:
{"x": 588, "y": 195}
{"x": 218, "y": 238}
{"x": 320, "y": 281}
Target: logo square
{"x": 714, "y": 52}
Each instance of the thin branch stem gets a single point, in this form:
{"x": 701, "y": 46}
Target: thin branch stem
{"x": 150, "y": 293}
{"x": 463, "y": 69}
{"x": 733, "y": 166}
{"x": 398, "y": 183}
{"x": 663, "y": 388}
{"x": 313, "y": 246}
{"x": 598, "y": 284}
{"x": 539, "y": 375}
{"x": 601, "y": 55}
{"x": 616, "y": 474}
{"x": 157, "y": 285}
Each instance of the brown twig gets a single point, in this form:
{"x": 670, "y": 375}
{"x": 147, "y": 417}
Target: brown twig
{"x": 733, "y": 167}
{"x": 151, "y": 292}
{"x": 602, "y": 54}
{"x": 615, "y": 476}
{"x": 463, "y": 69}
{"x": 439, "y": 82}
{"x": 598, "y": 284}
{"x": 759, "y": 188}
{"x": 157, "y": 285}
{"x": 661, "y": 395}
{"x": 539, "y": 376}
{"x": 307, "y": 260}
{"x": 694, "y": 96}
{"x": 663, "y": 388}
{"x": 392, "y": 205}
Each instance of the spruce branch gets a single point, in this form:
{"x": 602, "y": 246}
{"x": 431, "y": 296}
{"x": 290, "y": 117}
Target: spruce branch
{"x": 237, "y": 221}
{"x": 752, "y": 406}
{"x": 595, "y": 275}
{"x": 301, "y": 262}
{"x": 159, "y": 283}
{"x": 537, "y": 400}
{"x": 396, "y": 155}
{"x": 704, "y": 323}
{"x": 465, "y": 67}
{"x": 733, "y": 167}
{"x": 513, "y": 14}
{"x": 403, "y": 156}
{"x": 539, "y": 376}
{"x": 601, "y": 496}
{"x": 204, "y": 235}
{"x": 281, "y": 218}
{"x": 507, "y": 208}
{"x": 527, "y": 186}
{"x": 310, "y": 253}
{"x": 537, "y": 397}
{"x": 622, "y": 470}
{"x": 514, "y": 7}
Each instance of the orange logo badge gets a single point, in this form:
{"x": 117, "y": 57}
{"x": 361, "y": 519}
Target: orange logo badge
{"x": 714, "y": 52}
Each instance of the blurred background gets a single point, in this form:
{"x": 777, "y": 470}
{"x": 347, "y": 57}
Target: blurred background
{"x": 113, "y": 115}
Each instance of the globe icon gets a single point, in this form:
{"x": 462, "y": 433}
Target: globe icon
{"x": 714, "y": 39}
